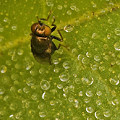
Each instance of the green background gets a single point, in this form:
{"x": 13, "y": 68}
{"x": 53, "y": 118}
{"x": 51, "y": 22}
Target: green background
{"x": 82, "y": 83}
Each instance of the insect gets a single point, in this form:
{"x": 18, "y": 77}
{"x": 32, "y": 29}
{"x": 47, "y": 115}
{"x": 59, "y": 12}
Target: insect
{"x": 42, "y": 45}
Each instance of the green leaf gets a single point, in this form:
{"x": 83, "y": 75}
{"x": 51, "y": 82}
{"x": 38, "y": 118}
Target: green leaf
{"x": 83, "y": 83}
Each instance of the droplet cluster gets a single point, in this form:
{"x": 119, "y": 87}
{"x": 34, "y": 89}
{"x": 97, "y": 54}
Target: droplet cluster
{"x": 82, "y": 82}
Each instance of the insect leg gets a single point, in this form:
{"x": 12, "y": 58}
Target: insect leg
{"x": 54, "y": 26}
{"x": 60, "y": 34}
{"x": 46, "y": 19}
{"x": 57, "y": 38}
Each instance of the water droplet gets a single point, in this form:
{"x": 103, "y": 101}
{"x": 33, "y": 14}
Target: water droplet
{"x": 73, "y": 7}
{"x": 117, "y": 31}
{"x": 115, "y": 102}
{"x": 89, "y": 109}
{"x": 29, "y": 65}
{"x": 6, "y": 20}
{"x": 14, "y": 27}
{"x": 2, "y": 91}
{"x": 107, "y": 113}
{"x": 42, "y": 114}
{"x": 34, "y": 96}
{"x": 114, "y": 81}
{"x": 78, "y": 81}
{"x": 97, "y": 58}
{"x": 68, "y": 28}
{"x": 59, "y": 86}
{"x": 85, "y": 60}
{"x": 102, "y": 68}
{"x": 50, "y": 3}
{"x": 117, "y": 46}
{"x": 99, "y": 93}
{"x": 3, "y": 69}
{"x": 20, "y": 52}
{"x": 99, "y": 115}
{"x": 2, "y": 38}
{"x": 59, "y": 7}
{"x": 1, "y": 28}
{"x": 66, "y": 65}
{"x": 89, "y": 93}
{"x": 87, "y": 81}
{"x": 94, "y": 35}
{"x": 88, "y": 54}
{"x": 81, "y": 93}
{"x": 69, "y": 12}
{"x": 64, "y": 76}
{"x": 45, "y": 85}
{"x": 55, "y": 61}
{"x": 56, "y": 70}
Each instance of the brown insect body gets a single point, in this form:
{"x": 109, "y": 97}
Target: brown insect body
{"x": 42, "y": 45}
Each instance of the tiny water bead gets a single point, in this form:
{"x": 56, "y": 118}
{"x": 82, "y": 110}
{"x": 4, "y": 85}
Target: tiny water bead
{"x": 64, "y": 76}
{"x": 87, "y": 81}
{"x": 69, "y": 12}
{"x": 68, "y": 28}
{"x": 96, "y": 58}
{"x": 66, "y": 65}
{"x": 3, "y": 69}
{"x": 42, "y": 114}
{"x": 117, "y": 31}
{"x": 14, "y": 27}
{"x": 117, "y": 46}
{"x": 89, "y": 93}
{"x": 1, "y": 28}
{"x": 59, "y": 7}
{"x": 114, "y": 81}
{"x": 45, "y": 85}
{"x": 89, "y": 109}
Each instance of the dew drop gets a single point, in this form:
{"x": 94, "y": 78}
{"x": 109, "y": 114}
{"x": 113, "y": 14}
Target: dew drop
{"x": 42, "y": 114}
{"x": 66, "y": 65}
{"x": 97, "y": 58}
{"x": 68, "y": 28}
{"x": 81, "y": 93}
{"x": 3, "y": 69}
{"x": 14, "y": 27}
{"x": 89, "y": 109}
{"x": 45, "y": 85}
{"x": 69, "y": 12}
{"x": 114, "y": 81}
{"x": 2, "y": 91}
{"x": 1, "y": 28}
{"x": 20, "y": 52}
{"x": 99, "y": 93}
{"x": 115, "y": 101}
{"x": 50, "y": 3}
{"x": 59, "y": 7}
{"x": 99, "y": 115}
{"x": 117, "y": 46}
{"x": 89, "y": 93}
{"x": 73, "y": 7}
{"x": 87, "y": 81}
{"x": 59, "y": 86}
{"x": 117, "y": 31}
{"x": 64, "y": 76}
{"x": 107, "y": 113}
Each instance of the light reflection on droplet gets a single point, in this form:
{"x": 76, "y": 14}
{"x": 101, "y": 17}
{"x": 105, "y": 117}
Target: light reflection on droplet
{"x": 59, "y": 7}
{"x": 64, "y": 76}
{"x": 117, "y": 46}
{"x": 3, "y": 69}
{"x": 117, "y": 31}
{"x": 66, "y": 65}
{"x": 89, "y": 109}
{"x": 45, "y": 85}
{"x": 42, "y": 114}
{"x": 14, "y": 27}
{"x": 114, "y": 81}
{"x": 87, "y": 81}
{"x": 68, "y": 28}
